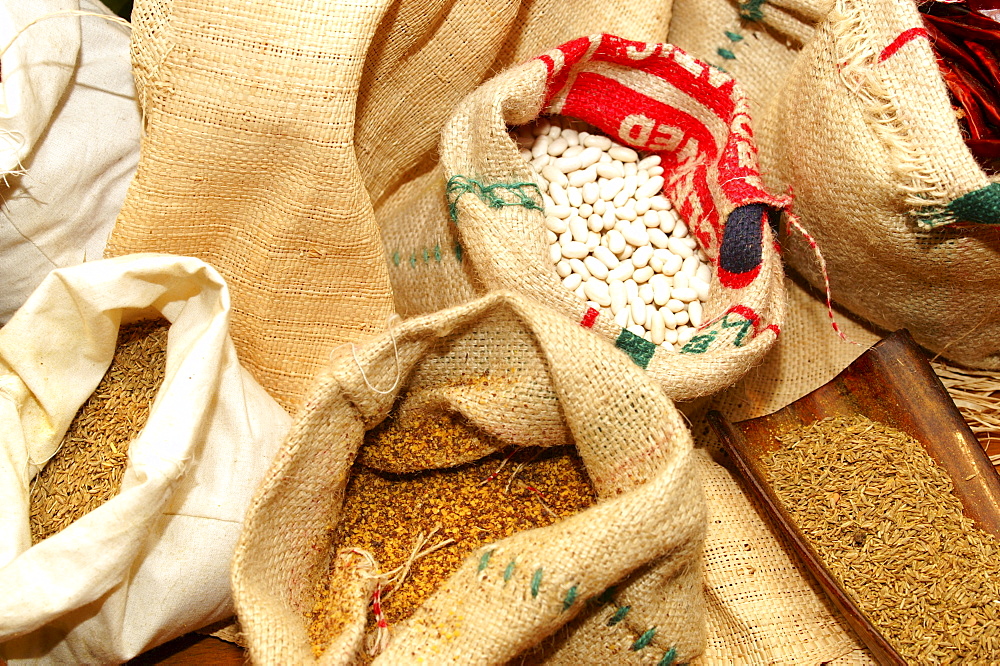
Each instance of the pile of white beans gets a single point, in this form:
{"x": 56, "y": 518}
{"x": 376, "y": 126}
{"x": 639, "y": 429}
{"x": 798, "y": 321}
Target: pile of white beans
{"x": 614, "y": 239}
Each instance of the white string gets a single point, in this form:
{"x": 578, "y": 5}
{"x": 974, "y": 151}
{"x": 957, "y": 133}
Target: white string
{"x": 391, "y": 323}
{"x": 64, "y": 13}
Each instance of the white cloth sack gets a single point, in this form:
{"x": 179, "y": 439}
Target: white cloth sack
{"x": 69, "y": 139}
{"x": 151, "y": 563}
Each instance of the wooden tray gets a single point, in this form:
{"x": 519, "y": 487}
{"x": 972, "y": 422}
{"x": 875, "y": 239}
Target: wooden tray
{"x": 891, "y": 383}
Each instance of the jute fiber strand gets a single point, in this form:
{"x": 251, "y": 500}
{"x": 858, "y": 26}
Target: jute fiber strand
{"x": 864, "y": 134}
{"x": 152, "y": 562}
{"x": 248, "y": 163}
{"x": 429, "y": 54}
{"x": 527, "y": 376}
{"x": 653, "y": 97}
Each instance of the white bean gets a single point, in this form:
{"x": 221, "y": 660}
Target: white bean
{"x": 623, "y": 153}
{"x": 574, "y": 250}
{"x": 642, "y": 255}
{"x": 563, "y": 268}
{"x": 572, "y": 281}
{"x": 695, "y": 313}
{"x": 606, "y": 257}
{"x": 597, "y": 290}
{"x": 596, "y": 267}
{"x": 619, "y": 298}
{"x": 679, "y": 248}
{"x": 642, "y": 274}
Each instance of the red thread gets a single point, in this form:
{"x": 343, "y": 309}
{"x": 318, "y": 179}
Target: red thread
{"x": 795, "y": 222}
{"x": 898, "y": 43}
{"x": 589, "y": 317}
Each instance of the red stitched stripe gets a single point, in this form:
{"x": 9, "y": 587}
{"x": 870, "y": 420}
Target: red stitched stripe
{"x": 589, "y": 317}
{"x": 899, "y": 42}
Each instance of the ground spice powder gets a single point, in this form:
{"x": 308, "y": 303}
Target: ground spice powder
{"x": 87, "y": 469}
{"x": 476, "y": 503}
{"x": 883, "y": 517}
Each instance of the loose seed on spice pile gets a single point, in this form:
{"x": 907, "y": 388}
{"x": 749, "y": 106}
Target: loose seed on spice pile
{"x": 87, "y": 469}
{"x": 473, "y": 504}
{"x": 884, "y": 519}
{"x": 615, "y": 240}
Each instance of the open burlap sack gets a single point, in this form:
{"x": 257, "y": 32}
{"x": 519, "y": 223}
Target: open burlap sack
{"x": 528, "y": 376}
{"x": 248, "y": 163}
{"x": 653, "y": 97}
{"x": 428, "y": 54}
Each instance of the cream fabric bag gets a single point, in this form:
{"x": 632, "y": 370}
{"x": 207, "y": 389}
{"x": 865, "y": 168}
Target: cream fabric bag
{"x": 151, "y": 563}
{"x": 69, "y": 139}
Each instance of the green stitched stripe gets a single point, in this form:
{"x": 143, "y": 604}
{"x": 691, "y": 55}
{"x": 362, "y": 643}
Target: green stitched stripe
{"x": 437, "y": 253}
{"x": 644, "y": 640}
{"x": 536, "y": 582}
{"x": 458, "y": 251}
{"x": 569, "y": 598}
{"x": 484, "y": 561}
{"x": 496, "y": 195}
{"x": 982, "y": 205}
{"x": 734, "y": 37}
{"x": 509, "y": 571}
{"x": 395, "y": 258}
{"x": 668, "y": 658}
{"x": 751, "y": 10}
{"x": 726, "y": 53}
{"x": 619, "y": 615}
{"x": 640, "y": 349}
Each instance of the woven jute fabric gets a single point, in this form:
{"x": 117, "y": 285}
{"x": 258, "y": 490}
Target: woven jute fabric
{"x": 429, "y": 54}
{"x": 864, "y": 133}
{"x": 525, "y": 375}
{"x": 756, "y": 42}
{"x": 248, "y": 163}
{"x": 654, "y": 97}
{"x": 856, "y": 122}
{"x": 763, "y": 605}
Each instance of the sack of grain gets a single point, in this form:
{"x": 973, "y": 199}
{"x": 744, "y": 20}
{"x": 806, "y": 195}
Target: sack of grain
{"x": 109, "y": 547}
{"x": 862, "y": 130}
{"x": 653, "y": 97}
{"x": 248, "y": 163}
{"x": 69, "y": 138}
{"x": 618, "y": 582}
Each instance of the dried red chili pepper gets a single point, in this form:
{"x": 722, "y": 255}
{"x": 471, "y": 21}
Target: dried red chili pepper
{"x": 966, "y": 38}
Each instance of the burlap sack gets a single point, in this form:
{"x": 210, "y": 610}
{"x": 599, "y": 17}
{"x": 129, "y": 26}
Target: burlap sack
{"x": 527, "y": 376}
{"x": 248, "y": 164}
{"x": 862, "y": 131}
{"x": 651, "y": 96}
{"x": 427, "y": 55}
{"x": 763, "y": 605}
{"x": 152, "y": 562}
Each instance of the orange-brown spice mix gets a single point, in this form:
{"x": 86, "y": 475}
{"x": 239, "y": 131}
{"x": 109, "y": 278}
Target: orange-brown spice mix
{"x": 474, "y": 504}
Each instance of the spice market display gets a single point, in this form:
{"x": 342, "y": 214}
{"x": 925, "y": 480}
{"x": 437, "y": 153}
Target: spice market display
{"x": 421, "y": 331}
